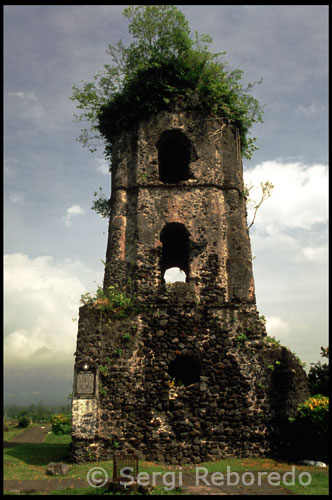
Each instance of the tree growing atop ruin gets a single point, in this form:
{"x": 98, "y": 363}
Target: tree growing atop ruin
{"x": 163, "y": 63}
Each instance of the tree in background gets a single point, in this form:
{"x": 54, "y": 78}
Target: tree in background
{"x": 36, "y": 413}
{"x": 318, "y": 376}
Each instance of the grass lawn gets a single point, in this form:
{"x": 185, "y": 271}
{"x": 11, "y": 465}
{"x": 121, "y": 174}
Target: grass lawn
{"x": 93, "y": 491}
{"x": 29, "y": 461}
{"x": 319, "y": 485}
{"x": 13, "y": 430}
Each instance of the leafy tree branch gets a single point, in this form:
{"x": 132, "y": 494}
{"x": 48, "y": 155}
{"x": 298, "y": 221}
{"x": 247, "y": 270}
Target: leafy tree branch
{"x": 164, "y": 64}
{"x": 266, "y": 191}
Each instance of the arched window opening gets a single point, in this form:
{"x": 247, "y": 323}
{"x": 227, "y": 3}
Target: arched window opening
{"x": 174, "y": 274}
{"x": 175, "y": 249}
{"x": 173, "y": 157}
{"x": 184, "y": 370}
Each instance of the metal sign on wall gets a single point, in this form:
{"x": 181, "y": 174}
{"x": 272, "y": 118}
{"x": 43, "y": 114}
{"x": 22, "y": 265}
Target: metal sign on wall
{"x": 85, "y": 377}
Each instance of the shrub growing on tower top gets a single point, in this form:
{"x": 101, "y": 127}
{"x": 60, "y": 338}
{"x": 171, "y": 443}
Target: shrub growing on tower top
{"x": 162, "y": 65}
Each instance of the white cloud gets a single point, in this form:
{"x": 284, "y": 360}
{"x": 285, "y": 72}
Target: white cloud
{"x": 41, "y": 298}
{"x": 80, "y": 22}
{"x": 277, "y": 327}
{"x": 174, "y": 274}
{"x": 289, "y": 243}
{"x": 9, "y": 166}
{"x": 71, "y": 212}
{"x": 102, "y": 166}
{"x": 299, "y": 198}
{"x": 307, "y": 109}
{"x": 16, "y": 198}
{"x": 315, "y": 254}
{"x": 26, "y": 105}
{"x": 24, "y": 96}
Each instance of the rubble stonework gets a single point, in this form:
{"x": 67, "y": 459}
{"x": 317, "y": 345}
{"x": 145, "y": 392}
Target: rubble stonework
{"x": 191, "y": 375}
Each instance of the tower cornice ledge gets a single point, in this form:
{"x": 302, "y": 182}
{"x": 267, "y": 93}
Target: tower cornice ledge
{"x": 180, "y": 187}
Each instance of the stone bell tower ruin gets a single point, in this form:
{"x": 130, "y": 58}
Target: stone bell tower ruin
{"x": 189, "y": 375}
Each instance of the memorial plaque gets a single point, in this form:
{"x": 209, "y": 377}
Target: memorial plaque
{"x": 85, "y": 381}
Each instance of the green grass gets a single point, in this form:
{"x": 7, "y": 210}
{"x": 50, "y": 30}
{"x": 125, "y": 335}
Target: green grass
{"x": 55, "y": 439}
{"x": 93, "y": 491}
{"x": 14, "y": 430}
{"x": 237, "y": 465}
{"x": 68, "y": 491}
{"x": 29, "y": 461}
{"x": 319, "y": 485}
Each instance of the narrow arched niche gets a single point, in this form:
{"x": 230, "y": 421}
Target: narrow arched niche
{"x": 175, "y": 248}
{"x": 174, "y": 156}
{"x": 184, "y": 370}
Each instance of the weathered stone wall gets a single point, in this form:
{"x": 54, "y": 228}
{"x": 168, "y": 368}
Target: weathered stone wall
{"x": 210, "y": 205}
{"x": 237, "y": 386}
{"x": 85, "y": 421}
{"x": 245, "y": 387}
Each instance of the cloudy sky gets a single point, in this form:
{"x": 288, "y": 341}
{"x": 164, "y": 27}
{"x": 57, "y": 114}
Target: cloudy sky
{"x": 54, "y": 242}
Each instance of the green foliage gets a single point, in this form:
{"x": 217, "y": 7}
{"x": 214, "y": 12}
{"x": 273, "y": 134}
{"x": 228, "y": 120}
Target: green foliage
{"x": 244, "y": 194}
{"x": 90, "y": 456}
{"x": 114, "y": 444}
{"x": 105, "y": 369}
{"x": 272, "y": 340}
{"x": 61, "y": 424}
{"x": 324, "y": 352}
{"x": 117, "y": 353}
{"x": 162, "y": 65}
{"x": 302, "y": 363}
{"x": 309, "y": 429}
{"x": 160, "y": 31}
{"x": 102, "y": 391}
{"x": 175, "y": 382}
{"x": 266, "y": 191}
{"x": 315, "y": 409}
{"x": 101, "y": 204}
{"x": 36, "y": 412}
{"x": 318, "y": 376}
{"x": 273, "y": 367}
{"x": 241, "y": 338}
{"x": 112, "y": 300}
{"x": 23, "y": 421}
